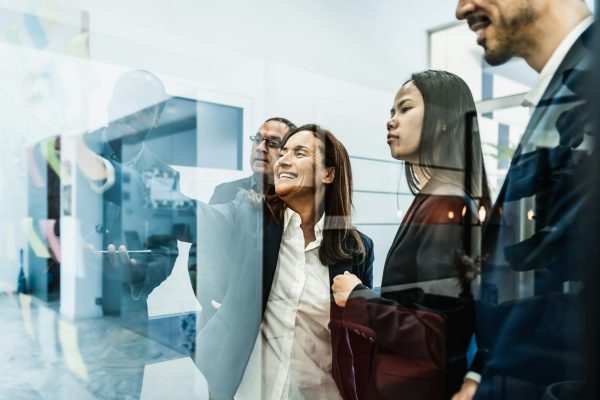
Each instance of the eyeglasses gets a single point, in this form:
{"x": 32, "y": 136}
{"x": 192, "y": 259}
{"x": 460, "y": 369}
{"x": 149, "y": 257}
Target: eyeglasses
{"x": 272, "y": 143}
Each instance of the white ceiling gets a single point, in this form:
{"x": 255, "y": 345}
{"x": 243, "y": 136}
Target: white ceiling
{"x": 375, "y": 43}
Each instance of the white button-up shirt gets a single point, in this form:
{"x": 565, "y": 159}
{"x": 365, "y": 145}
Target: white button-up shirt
{"x": 534, "y": 96}
{"x": 291, "y": 358}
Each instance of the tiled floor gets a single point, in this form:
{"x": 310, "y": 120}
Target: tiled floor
{"x": 46, "y": 356}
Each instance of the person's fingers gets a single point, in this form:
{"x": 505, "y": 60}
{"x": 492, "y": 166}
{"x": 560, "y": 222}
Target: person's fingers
{"x": 215, "y": 304}
{"x": 345, "y": 280}
{"x": 460, "y": 396}
{"x": 111, "y": 256}
{"x": 467, "y": 390}
{"x": 340, "y": 298}
{"x": 123, "y": 255}
{"x": 337, "y": 285}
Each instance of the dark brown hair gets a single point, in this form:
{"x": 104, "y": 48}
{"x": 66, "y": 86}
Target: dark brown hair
{"x": 450, "y": 148}
{"x": 285, "y": 121}
{"x": 341, "y": 241}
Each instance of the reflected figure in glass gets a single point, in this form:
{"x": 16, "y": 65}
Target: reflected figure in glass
{"x": 143, "y": 211}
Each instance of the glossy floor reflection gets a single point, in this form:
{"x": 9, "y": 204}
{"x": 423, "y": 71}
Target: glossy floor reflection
{"x": 46, "y": 356}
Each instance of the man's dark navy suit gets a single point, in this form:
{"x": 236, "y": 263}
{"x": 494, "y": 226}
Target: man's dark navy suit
{"x": 529, "y": 315}
{"x": 226, "y": 192}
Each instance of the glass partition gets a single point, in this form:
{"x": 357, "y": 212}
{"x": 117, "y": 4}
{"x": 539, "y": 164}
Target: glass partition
{"x": 168, "y": 230}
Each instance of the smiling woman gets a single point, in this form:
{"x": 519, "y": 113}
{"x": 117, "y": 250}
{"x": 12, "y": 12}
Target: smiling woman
{"x": 314, "y": 176}
{"x": 299, "y": 167}
{"x": 289, "y": 244}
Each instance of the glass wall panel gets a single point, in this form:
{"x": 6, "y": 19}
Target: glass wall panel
{"x": 267, "y": 199}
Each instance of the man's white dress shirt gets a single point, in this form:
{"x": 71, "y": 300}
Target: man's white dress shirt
{"x": 534, "y": 96}
{"x": 291, "y": 358}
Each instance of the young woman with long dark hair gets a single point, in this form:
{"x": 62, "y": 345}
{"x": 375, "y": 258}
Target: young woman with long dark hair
{"x": 423, "y": 320}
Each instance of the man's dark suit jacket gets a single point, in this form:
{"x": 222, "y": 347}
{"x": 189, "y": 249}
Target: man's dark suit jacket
{"x": 226, "y": 192}
{"x": 530, "y": 312}
{"x": 226, "y": 341}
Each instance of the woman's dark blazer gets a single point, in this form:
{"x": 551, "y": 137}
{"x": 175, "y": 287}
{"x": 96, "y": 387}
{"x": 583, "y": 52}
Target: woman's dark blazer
{"x": 251, "y": 247}
{"x": 419, "y": 351}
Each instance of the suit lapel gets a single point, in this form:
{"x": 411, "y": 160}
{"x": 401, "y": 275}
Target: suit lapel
{"x": 406, "y": 221}
{"x": 399, "y": 233}
{"x": 272, "y": 241}
{"x": 554, "y": 94}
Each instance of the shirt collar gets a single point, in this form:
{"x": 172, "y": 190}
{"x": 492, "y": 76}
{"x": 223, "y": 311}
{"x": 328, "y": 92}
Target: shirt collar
{"x": 537, "y": 91}
{"x": 292, "y": 218}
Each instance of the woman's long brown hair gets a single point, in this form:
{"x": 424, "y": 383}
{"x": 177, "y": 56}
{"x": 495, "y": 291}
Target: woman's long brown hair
{"x": 341, "y": 241}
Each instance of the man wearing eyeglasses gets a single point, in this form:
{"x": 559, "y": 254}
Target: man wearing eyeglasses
{"x": 265, "y": 151}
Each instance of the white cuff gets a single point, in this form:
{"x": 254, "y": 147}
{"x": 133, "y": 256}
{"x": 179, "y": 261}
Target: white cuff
{"x": 474, "y": 376}
{"x": 110, "y": 178}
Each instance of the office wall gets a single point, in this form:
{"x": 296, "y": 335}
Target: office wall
{"x": 337, "y": 63}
